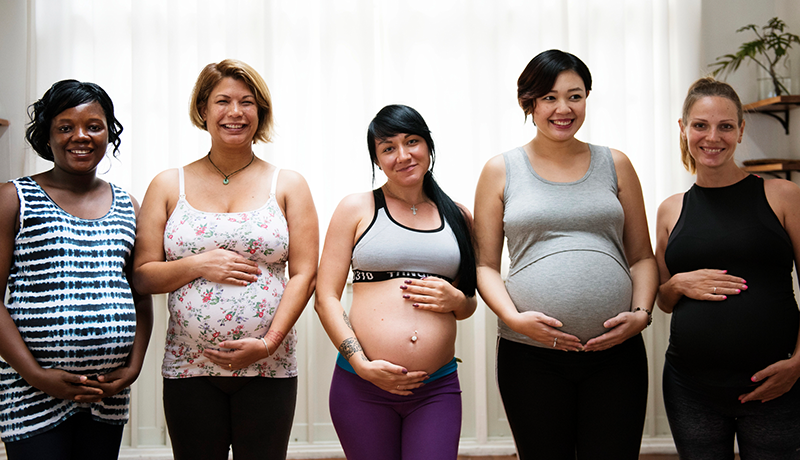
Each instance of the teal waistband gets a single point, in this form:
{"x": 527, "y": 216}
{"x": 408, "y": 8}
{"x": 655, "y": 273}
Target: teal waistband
{"x": 447, "y": 369}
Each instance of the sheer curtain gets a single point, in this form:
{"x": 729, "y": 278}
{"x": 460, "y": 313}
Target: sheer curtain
{"x": 330, "y": 67}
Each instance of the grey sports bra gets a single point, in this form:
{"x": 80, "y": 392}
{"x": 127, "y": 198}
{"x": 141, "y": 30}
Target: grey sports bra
{"x": 388, "y": 250}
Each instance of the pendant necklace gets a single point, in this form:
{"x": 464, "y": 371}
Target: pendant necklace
{"x": 225, "y": 181}
{"x": 413, "y": 207}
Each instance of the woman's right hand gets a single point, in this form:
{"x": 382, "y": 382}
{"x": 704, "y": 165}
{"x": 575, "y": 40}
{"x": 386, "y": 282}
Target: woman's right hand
{"x": 64, "y": 385}
{"x": 391, "y": 377}
{"x": 543, "y": 329}
{"x": 707, "y": 284}
{"x": 228, "y": 267}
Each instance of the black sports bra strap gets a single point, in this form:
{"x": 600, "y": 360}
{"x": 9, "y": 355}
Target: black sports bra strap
{"x": 380, "y": 200}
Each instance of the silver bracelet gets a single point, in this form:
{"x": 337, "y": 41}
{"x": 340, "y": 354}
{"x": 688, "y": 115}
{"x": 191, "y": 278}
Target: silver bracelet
{"x": 267, "y": 346}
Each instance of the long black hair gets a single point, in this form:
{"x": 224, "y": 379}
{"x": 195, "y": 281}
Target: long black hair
{"x": 64, "y": 95}
{"x": 401, "y": 119}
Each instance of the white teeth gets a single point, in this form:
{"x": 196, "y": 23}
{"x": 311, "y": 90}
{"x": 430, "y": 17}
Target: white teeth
{"x": 711, "y": 150}
{"x": 233, "y": 126}
{"x": 562, "y": 123}
{"x": 80, "y": 152}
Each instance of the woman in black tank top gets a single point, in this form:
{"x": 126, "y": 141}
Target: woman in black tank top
{"x": 726, "y": 250}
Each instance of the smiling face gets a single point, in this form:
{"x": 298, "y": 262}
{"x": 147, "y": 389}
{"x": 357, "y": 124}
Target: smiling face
{"x": 404, "y": 158}
{"x": 231, "y": 113}
{"x": 560, "y": 113}
{"x": 79, "y": 138}
{"x": 712, "y": 131}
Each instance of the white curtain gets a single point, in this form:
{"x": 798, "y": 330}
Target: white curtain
{"x": 331, "y": 65}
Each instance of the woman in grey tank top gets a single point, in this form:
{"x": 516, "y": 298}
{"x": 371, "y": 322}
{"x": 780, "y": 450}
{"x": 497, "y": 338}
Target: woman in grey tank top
{"x": 582, "y": 277}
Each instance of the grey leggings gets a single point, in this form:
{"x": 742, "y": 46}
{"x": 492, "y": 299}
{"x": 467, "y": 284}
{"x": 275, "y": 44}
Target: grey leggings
{"x": 705, "y": 419}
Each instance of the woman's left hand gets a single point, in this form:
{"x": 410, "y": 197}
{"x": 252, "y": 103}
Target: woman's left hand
{"x": 778, "y": 378}
{"x": 115, "y": 381}
{"x": 238, "y": 354}
{"x": 623, "y": 326}
{"x": 433, "y": 294}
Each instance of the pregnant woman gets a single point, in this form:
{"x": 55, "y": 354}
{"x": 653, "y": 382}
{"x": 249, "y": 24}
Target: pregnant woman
{"x": 395, "y": 392}
{"x": 582, "y": 278}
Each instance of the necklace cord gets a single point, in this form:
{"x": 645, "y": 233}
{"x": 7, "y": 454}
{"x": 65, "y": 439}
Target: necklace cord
{"x": 225, "y": 181}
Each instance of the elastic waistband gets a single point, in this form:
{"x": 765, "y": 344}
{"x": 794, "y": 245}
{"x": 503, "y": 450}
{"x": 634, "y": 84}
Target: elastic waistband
{"x": 447, "y": 369}
{"x": 361, "y": 276}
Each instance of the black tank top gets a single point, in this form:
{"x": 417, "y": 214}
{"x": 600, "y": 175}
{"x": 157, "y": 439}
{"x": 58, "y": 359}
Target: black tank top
{"x": 732, "y": 228}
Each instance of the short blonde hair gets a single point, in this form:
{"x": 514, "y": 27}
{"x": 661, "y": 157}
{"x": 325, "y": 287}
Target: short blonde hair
{"x": 705, "y": 87}
{"x": 212, "y": 74}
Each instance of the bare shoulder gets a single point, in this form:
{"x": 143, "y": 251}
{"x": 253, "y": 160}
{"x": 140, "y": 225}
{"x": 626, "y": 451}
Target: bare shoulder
{"x": 782, "y": 189}
{"x": 669, "y": 210}
{"x": 9, "y": 200}
{"x": 464, "y": 211}
{"x": 291, "y": 179}
{"x": 621, "y": 162}
{"x": 783, "y": 197}
{"x": 165, "y": 181}
{"x": 357, "y": 204}
{"x": 495, "y": 165}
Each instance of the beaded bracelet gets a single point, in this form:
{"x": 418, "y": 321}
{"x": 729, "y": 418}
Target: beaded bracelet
{"x": 649, "y": 314}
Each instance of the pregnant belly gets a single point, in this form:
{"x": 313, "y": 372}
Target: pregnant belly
{"x": 206, "y": 313}
{"x": 385, "y": 323}
{"x": 582, "y": 289}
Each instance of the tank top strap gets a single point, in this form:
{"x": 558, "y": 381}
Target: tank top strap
{"x": 274, "y": 187}
{"x": 380, "y": 199}
{"x": 182, "y": 190}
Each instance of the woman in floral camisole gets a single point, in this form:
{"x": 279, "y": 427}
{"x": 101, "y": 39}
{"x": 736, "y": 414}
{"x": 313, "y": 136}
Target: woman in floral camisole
{"x": 215, "y": 236}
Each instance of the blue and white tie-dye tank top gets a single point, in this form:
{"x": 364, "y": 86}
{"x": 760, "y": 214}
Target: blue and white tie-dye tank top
{"x": 70, "y": 300}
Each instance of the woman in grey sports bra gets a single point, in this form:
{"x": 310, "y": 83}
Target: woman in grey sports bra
{"x": 395, "y": 392}
{"x": 582, "y": 277}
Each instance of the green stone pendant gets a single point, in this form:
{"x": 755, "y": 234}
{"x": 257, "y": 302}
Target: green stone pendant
{"x": 225, "y": 181}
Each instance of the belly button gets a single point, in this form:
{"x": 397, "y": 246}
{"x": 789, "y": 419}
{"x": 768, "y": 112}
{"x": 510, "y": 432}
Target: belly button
{"x": 414, "y": 337}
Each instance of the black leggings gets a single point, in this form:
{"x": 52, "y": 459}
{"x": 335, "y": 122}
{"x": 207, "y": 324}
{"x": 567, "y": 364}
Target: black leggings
{"x": 574, "y": 405}
{"x": 704, "y": 421}
{"x": 79, "y": 437}
{"x": 207, "y": 415}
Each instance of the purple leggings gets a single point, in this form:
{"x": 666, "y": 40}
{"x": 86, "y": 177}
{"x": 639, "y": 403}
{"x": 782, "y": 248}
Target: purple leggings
{"x": 372, "y": 423}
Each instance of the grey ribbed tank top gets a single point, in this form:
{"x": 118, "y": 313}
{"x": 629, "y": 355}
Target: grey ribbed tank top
{"x": 565, "y": 245}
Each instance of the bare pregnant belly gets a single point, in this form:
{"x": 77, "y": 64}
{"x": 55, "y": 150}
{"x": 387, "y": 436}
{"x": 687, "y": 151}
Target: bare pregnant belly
{"x": 582, "y": 289}
{"x": 385, "y": 323}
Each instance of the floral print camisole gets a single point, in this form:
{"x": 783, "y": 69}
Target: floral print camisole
{"x": 203, "y": 313}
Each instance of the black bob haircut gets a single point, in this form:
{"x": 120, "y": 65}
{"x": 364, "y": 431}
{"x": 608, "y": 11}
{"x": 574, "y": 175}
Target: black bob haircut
{"x": 541, "y": 73}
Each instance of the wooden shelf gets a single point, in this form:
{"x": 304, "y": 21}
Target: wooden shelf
{"x": 3, "y": 122}
{"x": 773, "y": 106}
{"x": 772, "y": 166}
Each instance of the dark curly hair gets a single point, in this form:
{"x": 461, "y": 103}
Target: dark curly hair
{"x": 64, "y": 95}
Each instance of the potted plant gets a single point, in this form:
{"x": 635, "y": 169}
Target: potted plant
{"x": 768, "y": 51}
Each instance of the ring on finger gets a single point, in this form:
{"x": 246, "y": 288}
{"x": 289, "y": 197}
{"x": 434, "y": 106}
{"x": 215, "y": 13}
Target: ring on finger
{"x": 398, "y": 387}
{"x": 555, "y": 341}
{"x": 230, "y": 366}
{"x": 715, "y": 289}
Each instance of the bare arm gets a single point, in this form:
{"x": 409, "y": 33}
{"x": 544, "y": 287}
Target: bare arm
{"x": 121, "y": 378}
{"x": 152, "y": 274}
{"x": 331, "y": 280}
{"x": 639, "y": 252}
{"x": 301, "y": 216}
{"x": 489, "y": 238}
{"x": 55, "y": 382}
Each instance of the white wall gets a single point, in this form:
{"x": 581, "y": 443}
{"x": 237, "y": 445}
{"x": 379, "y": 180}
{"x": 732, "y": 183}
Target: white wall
{"x": 13, "y": 85}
